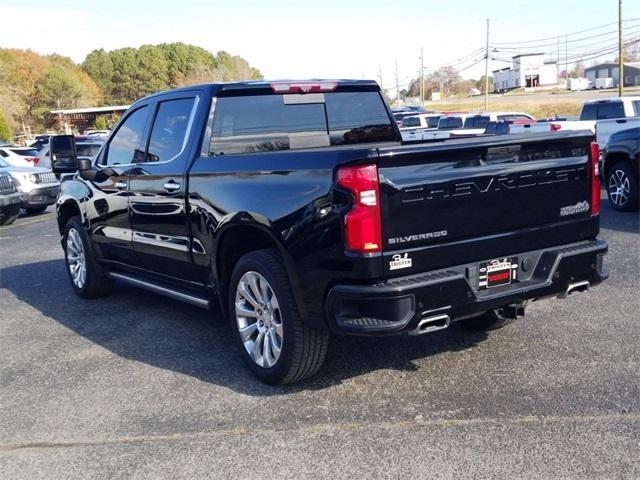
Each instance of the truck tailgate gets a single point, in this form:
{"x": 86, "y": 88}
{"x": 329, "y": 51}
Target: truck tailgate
{"x": 479, "y": 199}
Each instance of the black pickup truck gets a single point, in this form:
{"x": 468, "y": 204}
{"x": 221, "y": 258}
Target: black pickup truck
{"x": 295, "y": 208}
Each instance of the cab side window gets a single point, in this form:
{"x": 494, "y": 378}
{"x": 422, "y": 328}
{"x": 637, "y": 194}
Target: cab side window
{"x": 125, "y": 146}
{"x": 169, "y": 133}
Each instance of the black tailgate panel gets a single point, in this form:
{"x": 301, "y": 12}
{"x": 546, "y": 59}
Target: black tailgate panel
{"x": 461, "y": 193}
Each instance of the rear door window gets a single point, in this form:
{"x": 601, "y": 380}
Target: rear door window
{"x": 411, "y": 122}
{"x": 636, "y": 107}
{"x": 169, "y": 133}
{"x": 476, "y": 122}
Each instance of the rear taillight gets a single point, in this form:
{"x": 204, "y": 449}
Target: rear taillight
{"x": 595, "y": 179}
{"x": 363, "y": 232}
{"x": 555, "y": 127}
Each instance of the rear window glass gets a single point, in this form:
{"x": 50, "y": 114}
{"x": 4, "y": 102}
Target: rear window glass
{"x": 476, "y": 122}
{"x": 265, "y": 123}
{"x": 25, "y": 153}
{"x": 636, "y": 107}
{"x": 589, "y": 111}
{"x": 610, "y": 110}
{"x": 87, "y": 149}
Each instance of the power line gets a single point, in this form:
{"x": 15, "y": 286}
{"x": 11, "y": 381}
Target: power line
{"x": 553, "y": 44}
{"x": 568, "y": 34}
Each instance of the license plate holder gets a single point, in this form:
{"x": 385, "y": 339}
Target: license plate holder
{"x": 496, "y": 273}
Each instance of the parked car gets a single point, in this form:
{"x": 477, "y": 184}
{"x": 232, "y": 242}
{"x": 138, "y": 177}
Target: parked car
{"x": 422, "y": 120}
{"x": 40, "y": 141}
{"x": 20, "y": 156}
{"x": 620, "y": 169}
{"x": 603, "y": 117}
{"x": 295, "y": 207}
{"x": 10, "y": 199}
{"x": 505, "y": 127}
{"x": 415, "y": 127}
{"x": 39, "y": 186}
{"x": 475, "y": 124}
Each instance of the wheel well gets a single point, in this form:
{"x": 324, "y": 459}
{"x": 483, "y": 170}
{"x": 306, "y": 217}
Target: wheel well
{"x": 236, "y": 243}
{"x": 612, "y": 159}
{"x": 67, "y": 210}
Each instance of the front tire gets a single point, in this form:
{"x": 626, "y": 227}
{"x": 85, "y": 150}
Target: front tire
{"x": 88, "y": 280}
{"x": 274, "y": 342}
{"x": 622, "y": 187}
{"x": 9, "y": 214}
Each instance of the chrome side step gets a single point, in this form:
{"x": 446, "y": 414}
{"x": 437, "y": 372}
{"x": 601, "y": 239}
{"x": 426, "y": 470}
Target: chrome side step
{"x": 167, "y": 292}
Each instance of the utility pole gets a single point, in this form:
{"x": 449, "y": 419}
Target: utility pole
{"x": 397, "y": 86}
{"x": 486, "y": 72}
{"x": 620, "y": 52}
{"x": 566, "y": 55}
{"x": 558, "y": 60}
{"x": 380, "y": 79}
{"x": 421, "y": 76}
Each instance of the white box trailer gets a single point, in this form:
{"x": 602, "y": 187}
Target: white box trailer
{"x": 577, "y": 84}
{"x": 606, "y": 82}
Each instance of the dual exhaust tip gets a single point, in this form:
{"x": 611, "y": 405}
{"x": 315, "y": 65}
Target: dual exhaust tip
{"x": 513, "y": 312}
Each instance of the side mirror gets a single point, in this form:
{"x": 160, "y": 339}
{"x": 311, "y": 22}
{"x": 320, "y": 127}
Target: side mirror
{"x": 63, "y": 154}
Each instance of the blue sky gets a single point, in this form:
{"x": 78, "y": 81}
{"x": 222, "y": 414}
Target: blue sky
{"x": 297, "y": 39}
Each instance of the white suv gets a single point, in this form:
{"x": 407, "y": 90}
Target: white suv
{"x": 39, "y": 186}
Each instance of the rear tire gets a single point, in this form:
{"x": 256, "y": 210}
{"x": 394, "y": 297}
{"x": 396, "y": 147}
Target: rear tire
{"x": 622, "y": 187}
{"x": 88, "y": 279}
{"x": 274, "y": 342}
{"x": 485, "y": 322}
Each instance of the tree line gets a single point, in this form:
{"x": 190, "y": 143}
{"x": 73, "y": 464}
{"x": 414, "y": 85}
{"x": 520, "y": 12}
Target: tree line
{"x": 32, "y": 84}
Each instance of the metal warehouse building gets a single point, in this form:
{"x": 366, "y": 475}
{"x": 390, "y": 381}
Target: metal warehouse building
{"x": 611, "y": 70}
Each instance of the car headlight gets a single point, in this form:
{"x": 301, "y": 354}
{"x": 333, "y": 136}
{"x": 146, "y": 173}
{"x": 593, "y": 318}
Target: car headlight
{"x": 33, "y": 177}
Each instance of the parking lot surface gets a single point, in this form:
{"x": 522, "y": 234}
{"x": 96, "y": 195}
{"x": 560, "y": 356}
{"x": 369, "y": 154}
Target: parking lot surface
{"x": 138, "y": 386}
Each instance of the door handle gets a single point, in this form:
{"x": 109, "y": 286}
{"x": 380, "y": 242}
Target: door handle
{"x": 120, "y": 185}
{"x": 171, "y": 186}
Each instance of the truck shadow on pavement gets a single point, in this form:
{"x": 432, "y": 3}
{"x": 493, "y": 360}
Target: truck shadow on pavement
{"x": 163, "y": 333}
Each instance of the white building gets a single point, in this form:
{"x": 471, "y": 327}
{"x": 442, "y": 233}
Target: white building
{"x": 527, "y": 70}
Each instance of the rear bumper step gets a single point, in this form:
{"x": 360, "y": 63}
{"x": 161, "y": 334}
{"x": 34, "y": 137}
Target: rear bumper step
{"x": 419, "y": 303}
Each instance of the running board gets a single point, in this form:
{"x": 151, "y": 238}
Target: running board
{"x": 167, "y": 292}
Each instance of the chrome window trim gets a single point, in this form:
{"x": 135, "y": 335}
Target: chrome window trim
{"x": 205, "y": 151}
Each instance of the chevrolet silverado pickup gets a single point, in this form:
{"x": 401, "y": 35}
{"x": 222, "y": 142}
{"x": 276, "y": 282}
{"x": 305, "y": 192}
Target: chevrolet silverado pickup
{"x": 296, "y": 209}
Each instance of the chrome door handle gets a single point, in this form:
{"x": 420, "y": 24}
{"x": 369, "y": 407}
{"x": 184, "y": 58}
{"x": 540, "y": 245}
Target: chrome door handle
{"x": 171, "y": 186}
{"x": 120, "y": 185}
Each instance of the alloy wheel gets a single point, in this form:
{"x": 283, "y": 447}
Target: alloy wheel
{"x": 619, "y": 188}
{"x": 76, "y": 260}
{"x": 259, "y": 319}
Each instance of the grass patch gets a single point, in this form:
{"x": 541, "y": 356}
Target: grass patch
{"x": 537, "y": 109}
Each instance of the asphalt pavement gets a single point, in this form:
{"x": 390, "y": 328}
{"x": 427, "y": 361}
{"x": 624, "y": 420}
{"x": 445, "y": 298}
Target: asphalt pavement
{"x": 137, "y": 386}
